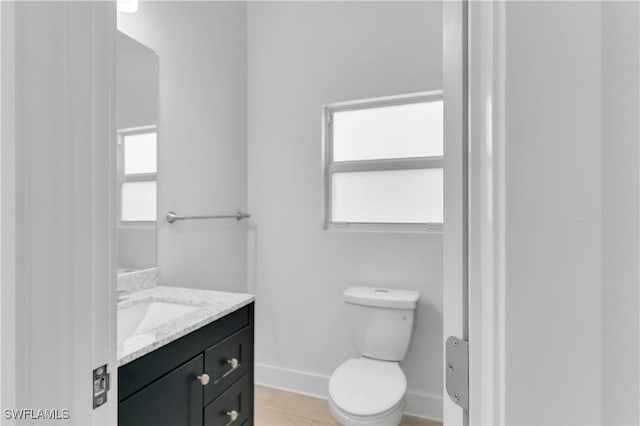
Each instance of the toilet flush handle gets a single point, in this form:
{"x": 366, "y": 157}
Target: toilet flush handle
{"x": 233, "y": 415}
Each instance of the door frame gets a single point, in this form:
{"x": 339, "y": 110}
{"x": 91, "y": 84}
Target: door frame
{"x": 474, "y": 237}
{"x": 455, "y": 235}
{"x": 487, "y": 268}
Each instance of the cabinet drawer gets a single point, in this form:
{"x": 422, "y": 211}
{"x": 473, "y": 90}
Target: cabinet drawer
{"x": 227, "y": 361}
{"x": 175, "y": 399}
{"x": 237, "y": 400}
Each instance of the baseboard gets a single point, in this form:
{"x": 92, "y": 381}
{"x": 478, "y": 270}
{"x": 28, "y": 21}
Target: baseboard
{"x": 317, "y": 385}
{"x": 296, "y": 381}
{"x": 424, "y": 405}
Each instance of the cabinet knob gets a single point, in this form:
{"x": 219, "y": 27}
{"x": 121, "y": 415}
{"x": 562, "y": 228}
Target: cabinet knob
{"x": 204, "y": 379}
{"x": 233, "y": 362}
{"x": 233, "y": 415}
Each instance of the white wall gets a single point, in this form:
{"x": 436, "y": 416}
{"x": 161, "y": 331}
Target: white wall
{"x": 137, "y": 247}
{"x": 621, "y": 210}
{"x": 202, "y": 148}
{"x": 137, "y": 84}
{"x": 302, "y": 56}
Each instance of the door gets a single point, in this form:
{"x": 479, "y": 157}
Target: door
{"x": 58, "y": 208}
{"x": 554, "y": 207}
{"x": 175, "y": 399}
{"x": 553, "y": 211}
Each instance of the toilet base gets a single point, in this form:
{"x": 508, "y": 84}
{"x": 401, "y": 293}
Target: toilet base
{"x": 391, "y": 417}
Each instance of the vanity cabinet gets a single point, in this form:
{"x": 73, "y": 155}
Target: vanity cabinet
{"x": 203, "y": 378}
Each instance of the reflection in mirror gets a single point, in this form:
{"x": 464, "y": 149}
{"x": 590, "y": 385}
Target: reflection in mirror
{"x": 137, "y": 122}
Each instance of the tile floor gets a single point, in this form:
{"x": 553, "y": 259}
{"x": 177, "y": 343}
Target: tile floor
{"x": 274, "y": 407}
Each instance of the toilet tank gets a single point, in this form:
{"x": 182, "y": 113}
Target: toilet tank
{"x": 381, "y": 321}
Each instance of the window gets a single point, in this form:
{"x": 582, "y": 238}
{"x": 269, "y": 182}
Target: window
{"x": 138, "y": 173}
{"x": 383, "y": 163}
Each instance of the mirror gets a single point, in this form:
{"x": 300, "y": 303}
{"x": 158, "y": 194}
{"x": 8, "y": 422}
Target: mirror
{"x": 138, "y": 136}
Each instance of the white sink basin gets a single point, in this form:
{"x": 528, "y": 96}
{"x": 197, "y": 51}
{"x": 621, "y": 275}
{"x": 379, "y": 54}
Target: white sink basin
{"x": 144, "y": 316}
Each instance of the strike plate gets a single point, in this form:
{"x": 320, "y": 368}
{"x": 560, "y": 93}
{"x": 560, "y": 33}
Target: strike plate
{"x": 101, "y": 386}
{"x": 457, "y": 365}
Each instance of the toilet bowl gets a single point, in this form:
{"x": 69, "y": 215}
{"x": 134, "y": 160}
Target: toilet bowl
{"x": 390, "y": 418}
{"x": 369, "y": 392}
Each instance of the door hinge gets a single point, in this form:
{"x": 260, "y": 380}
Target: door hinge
{"x": 457, "y": 371}
{"x": 101, "y": 386}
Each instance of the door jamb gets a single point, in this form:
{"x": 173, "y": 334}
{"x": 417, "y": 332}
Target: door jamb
{"x": 455, "y": 237}
{"x": 487, "y": 167}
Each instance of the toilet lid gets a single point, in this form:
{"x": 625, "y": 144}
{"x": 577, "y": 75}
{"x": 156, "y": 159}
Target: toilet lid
{"x": 365, "y": 387}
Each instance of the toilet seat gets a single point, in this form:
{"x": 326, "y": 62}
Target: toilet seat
{"x": 366, "y": 387}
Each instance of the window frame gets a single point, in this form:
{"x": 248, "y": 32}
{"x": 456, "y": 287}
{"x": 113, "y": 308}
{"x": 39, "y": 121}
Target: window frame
{"x": 135, "y": 177}
{"x": 329, "y": 167}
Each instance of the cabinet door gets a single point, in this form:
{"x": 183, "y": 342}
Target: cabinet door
{"x": 174, "y": 399}
{"x": 233, "y": 407}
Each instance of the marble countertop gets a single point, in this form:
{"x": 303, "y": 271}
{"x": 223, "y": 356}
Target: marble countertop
{"x": 212, "y": 305}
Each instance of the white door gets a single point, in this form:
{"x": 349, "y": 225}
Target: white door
{"x": 58, "y": 209}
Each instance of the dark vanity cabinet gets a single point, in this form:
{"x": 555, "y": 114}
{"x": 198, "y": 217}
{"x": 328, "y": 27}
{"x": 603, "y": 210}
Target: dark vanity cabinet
{"x": 203, "y": 378}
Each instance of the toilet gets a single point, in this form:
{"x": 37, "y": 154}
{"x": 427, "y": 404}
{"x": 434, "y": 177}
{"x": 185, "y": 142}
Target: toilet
{"x": 370, "y": 390}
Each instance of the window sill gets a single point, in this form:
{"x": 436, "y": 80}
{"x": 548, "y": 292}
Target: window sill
{"x": 403, "y": 228}
{"x": 138, "y": 225}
